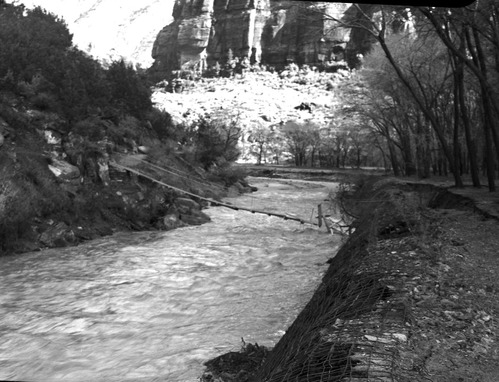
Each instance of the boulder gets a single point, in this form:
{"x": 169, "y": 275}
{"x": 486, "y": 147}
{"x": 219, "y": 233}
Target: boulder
{"x": 143, "y": 149}
{"x": 171, "y": 221}
{"x": 63, "y": 170}
{"x": 52, "y": 137}
{"x": 194, "y": 218}
{"x": 59, "y": 235}
{"x": 185, "y": 205}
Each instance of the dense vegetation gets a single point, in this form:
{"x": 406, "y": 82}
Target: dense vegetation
{"x": 39, "y": 62}
{"x": 49, "y": 86}
{"x": 432, "y": 79}
{"x": 343, "y": 141}
{"x": 424, "y": 96}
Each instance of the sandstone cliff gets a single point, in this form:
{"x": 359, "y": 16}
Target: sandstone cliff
{"x": 270, "y": 32}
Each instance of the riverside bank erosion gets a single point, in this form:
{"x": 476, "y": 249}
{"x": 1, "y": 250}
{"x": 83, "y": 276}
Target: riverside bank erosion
{"x": 111, "y": 200}
{"x": 155, "y": 305}
{"x": 411, "y": 296}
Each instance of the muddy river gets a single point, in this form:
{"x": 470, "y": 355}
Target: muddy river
{"x": 155, "y": 305}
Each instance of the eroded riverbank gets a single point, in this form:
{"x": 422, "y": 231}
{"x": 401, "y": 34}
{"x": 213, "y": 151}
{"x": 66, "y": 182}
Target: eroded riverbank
{"x": 156, "y": 305}
{"x": 411, "y": 296}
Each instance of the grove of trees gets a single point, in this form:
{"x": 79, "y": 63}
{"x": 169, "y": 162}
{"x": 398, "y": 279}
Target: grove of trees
{"x": 424, "y": 100}
{"x": 346, "y": 140}
{"x": 432, "y": 78}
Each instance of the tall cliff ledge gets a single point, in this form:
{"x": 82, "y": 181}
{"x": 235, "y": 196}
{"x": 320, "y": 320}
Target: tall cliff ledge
{"x": 271, "y": 32}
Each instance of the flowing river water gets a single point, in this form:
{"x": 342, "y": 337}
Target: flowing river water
{"x": 153, "y": 306}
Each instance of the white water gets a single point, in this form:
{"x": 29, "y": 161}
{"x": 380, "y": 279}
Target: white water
{"x": 156, "y": 305}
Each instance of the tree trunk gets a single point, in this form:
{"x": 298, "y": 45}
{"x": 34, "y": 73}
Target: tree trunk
{"x": 425, "y": 110}
{"x": 472, "y": 154}
{"x": 427, "y": 148}
{"x": 457, "y": 149}
{"x": 489, "y": 159}
{"x": 488, "y": 112}
{"x": 393, "y": 158}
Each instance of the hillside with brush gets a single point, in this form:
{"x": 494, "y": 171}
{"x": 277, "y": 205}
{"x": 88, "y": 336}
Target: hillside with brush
{"x": 64, "y": 118}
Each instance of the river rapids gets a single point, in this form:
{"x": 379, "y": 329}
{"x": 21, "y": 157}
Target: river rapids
{"x": 153, "y": 306}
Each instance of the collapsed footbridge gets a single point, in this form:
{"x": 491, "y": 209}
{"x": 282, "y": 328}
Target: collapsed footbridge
{"x": 137, "y": 165}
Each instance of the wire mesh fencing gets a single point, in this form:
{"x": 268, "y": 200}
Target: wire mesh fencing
{"x": 358, "y": 325}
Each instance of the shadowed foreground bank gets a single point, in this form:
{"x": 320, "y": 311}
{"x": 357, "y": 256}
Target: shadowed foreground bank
{"x": 411, "y": 296}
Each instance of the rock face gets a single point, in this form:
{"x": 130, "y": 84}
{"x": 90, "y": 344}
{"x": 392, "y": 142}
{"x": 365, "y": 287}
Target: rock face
{"x": 301, "y": 33}
{"x": 185, "y": 40}
{"x": 63, "y": 170}
{"x": 272, "y": 32}
{"x": 60, "y": 235}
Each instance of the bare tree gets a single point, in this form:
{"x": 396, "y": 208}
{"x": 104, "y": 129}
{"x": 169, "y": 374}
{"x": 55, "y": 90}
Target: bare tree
{"x": 380, "y": 22}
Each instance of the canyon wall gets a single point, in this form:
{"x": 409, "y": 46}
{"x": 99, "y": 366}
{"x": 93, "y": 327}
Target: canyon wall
{"x": 271, "y": 32}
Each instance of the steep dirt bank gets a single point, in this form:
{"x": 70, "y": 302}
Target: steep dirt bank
{"x": 90, "y": 210}
{"x": 47, "y": 202}
{"x": 411, "y": 296}
{"x": 58, "y": 188}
